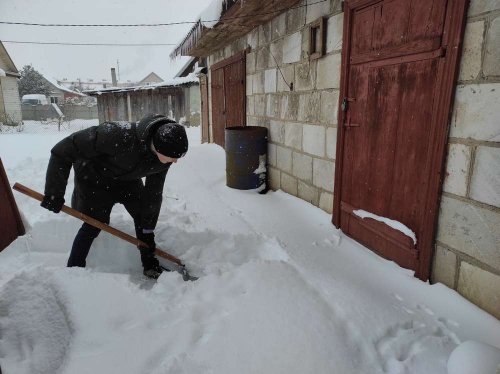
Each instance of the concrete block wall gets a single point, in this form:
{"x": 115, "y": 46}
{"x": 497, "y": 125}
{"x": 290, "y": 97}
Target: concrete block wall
{"x": 302, "y": 127}
{"x": 302, "y": 120}
{"x": 467, "y": 256}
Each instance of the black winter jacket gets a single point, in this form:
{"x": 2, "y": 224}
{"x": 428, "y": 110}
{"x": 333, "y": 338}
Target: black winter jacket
{"x": 112, "y": 151}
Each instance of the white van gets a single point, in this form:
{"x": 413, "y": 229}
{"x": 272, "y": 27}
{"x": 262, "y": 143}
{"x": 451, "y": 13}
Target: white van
{"x": 35, "y": 99}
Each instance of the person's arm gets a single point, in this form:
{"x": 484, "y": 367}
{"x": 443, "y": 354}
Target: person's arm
{"x": 151, "y": 200}
{"x": 80, "y": 145}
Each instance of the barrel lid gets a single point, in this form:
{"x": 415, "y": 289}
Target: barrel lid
{"x": 247, "y": 131}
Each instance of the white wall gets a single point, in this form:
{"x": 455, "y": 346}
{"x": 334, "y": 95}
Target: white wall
{"x": 11, "y": 102}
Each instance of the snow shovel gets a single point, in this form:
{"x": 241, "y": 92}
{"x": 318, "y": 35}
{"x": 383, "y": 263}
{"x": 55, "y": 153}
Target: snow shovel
{"x": 174, "y": 262}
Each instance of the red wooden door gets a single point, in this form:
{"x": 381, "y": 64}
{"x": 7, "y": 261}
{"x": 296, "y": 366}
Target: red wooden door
{"x": 228, "y": 95}
{"x": 11, "y": 224}
{"x": 399, "y": 70}
{"x": 204, "y": 109}
{"x": 218, "y": 106}
{"x": 234, "y": 84}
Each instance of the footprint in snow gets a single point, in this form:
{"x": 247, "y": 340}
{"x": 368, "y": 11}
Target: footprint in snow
{"x": 425, "y": 308}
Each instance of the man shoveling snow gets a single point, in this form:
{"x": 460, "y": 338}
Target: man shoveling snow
{"x": 109, "y": 162}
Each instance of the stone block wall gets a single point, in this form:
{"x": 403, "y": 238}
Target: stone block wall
{"x": 302, "y": 121}
{"x": 467, "y": 256}
{"x": 302, "y": 125}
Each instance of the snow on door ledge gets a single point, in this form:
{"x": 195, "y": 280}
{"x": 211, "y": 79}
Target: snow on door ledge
{"x": 390, "y": 222}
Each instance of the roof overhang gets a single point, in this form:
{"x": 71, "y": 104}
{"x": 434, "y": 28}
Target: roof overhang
{"x": 238, "y": 18}
{"x": 169, "y": 85}
{"x": 8, "y": 60}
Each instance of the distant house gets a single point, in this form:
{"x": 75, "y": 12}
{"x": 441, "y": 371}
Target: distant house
{"x": 10, "y": 105}
{"x": 89, "y": 84}
{"x": 377, "y": 110}
{"x": 178, "y": 98}
{"x": 151, "y": 78}
{"x": 59, "y": 93}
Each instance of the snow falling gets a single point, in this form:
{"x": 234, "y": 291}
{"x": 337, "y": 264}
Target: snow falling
{"x": 280, "y": 290}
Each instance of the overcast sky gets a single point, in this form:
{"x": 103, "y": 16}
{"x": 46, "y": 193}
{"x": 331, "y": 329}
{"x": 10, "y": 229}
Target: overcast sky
{"x": 95, "y": 62}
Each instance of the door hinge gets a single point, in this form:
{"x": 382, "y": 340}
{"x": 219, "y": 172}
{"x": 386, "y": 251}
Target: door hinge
{"x": 349, "y": 124}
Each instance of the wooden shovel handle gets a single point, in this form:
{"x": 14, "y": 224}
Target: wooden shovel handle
{"x": 92, "y": 221}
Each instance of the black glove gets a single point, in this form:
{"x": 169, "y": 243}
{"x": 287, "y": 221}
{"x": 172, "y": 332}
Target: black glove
{"x": 149, "y": 239}
{"x": 52, "y": 203}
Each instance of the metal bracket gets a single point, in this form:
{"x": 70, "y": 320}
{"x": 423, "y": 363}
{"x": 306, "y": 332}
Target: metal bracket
{"x": 345, "y": 103}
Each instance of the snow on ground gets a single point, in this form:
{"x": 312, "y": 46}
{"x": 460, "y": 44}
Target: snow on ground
{"x": 280, "y": 289}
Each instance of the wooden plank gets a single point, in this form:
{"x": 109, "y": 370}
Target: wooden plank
{"x": 455, "y": 20}
{"x": 408, "y": 52}
{"x": 410, "y": 177}
{"x": 231, "y": 60}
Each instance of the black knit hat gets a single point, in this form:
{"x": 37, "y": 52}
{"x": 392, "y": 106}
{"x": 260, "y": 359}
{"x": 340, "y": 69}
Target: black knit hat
{"x": 170, "y": 140}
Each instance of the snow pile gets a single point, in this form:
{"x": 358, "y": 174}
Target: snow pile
{"x": 474, "y": 357}
{"x": 280, "y": 289}
{"x": 390, "y": 222}
{"x": 211, "y": 14}
{"x": 36, "y": 328}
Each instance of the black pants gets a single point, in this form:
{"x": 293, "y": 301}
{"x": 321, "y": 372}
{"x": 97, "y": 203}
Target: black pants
{"x": 96, "y": 199}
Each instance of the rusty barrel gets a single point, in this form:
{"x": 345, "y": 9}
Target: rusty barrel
{"x": 246, "y": 157}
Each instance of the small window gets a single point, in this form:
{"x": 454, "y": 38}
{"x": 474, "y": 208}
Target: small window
{"x": 317, "y": 39}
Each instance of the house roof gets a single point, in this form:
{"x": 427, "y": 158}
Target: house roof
{"x": 190, "y": 80}
{"x": 236, "y": 18}
{"x": 150, "y": 75}
{"x": 187, "y": 68}
{"x": 4, "y": 55}
{"x": 54, "y": 83}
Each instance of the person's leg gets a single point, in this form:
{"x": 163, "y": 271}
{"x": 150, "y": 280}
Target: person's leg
{"x": 81, "y": 245}
{"x": 98, "y": 208}
{"x": 129, "y": 195}
{"x": 131, "y": 199}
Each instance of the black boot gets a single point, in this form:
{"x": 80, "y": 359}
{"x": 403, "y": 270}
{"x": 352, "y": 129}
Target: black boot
{"x": 152, "y": 268}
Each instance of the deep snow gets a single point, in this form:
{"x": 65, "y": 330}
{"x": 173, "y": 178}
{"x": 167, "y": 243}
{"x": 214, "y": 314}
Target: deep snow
{"x": 280, "y": 289}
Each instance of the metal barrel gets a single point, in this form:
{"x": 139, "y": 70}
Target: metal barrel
{"x": 246, "y": 157}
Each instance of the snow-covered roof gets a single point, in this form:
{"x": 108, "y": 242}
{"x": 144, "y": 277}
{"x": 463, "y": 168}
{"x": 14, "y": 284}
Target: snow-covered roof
{"x": 9, "y": 64}
{"x": 152, "y": 75}
{"x": 187, "y": 66}
{"x": 189, "y": 80}
{"x": 53, "y": 82}
{"x": 224, "y": 21}
{"x": 34, "y": 96}
{"x": 210, "y": 16}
